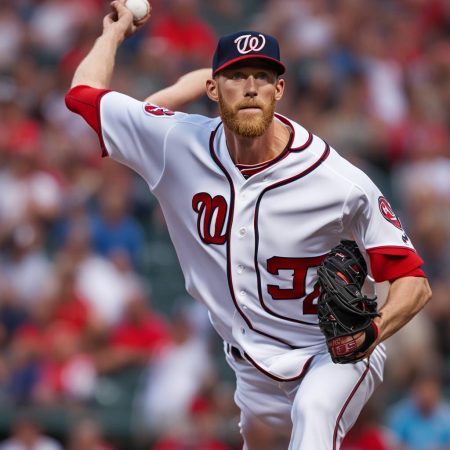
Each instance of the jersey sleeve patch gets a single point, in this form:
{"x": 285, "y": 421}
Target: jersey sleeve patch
{"x": 388, "y": 213}
{"x": 390, "y": 263}
{"x": 85, "y": 101}
{"x": 157, "y": 111}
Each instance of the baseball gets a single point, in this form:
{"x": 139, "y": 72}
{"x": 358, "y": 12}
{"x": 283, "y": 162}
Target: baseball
{"x": 139, "y": 8}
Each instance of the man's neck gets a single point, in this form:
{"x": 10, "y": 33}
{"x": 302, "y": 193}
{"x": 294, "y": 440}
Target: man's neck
{"x": 256, "y": 150}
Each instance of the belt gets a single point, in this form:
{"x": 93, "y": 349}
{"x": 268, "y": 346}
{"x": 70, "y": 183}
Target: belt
{"x": 234, "y": 352}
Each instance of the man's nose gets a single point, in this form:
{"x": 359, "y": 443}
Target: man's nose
{"x": 250, "y": 87}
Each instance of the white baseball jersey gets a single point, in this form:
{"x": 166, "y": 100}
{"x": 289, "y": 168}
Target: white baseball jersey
{"x": 249, "y": 248}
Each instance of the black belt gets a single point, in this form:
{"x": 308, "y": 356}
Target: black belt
{"x": 234, "y": 352}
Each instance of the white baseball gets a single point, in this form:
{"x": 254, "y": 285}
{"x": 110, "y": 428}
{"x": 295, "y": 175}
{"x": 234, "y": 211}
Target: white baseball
{"x": 139, "y": 8}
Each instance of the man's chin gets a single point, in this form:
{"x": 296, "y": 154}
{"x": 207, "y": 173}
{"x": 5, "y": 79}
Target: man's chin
{"x": 250, "y": 130}
{"x": 248, "y": 125}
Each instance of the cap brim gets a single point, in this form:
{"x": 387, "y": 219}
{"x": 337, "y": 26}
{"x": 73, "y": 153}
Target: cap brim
{"x": 278, "y": 66}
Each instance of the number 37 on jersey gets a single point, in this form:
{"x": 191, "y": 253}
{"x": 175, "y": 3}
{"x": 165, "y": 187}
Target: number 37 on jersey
{"x": 288, "y": 275}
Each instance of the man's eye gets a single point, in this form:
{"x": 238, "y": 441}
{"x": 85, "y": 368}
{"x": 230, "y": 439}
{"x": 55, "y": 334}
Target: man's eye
{"x": 262, "y": 76}
{"x": 237, "y": 76}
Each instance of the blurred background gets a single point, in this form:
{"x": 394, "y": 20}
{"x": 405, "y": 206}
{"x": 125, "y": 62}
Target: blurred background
{"x": 101, "y": 349}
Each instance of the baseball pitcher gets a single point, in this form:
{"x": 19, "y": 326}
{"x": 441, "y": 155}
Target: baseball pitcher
{"x": 275, "y": 234}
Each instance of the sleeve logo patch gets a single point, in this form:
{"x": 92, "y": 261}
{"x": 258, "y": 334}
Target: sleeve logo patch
{"x": 157, "y": 111}
{"x": 388, "y": 213}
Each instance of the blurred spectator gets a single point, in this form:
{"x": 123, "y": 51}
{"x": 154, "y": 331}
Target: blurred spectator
{"x": 138, "y": 337}
{"x": 306, "y": 26}
{"x": 12, "y": 34}
{"x": 26, "y": 353}
{"x": 26, "y": 268}
{"x": 411, "y": 350}
{"x": 348, "y": 128}
{"x": 68, "y": 374}
{"x": 24, "y": 365}
{"x": 12, "y": 312}
{"x": 27, "y": 435}
{"x": 175, "y": 376}
{"x": 368, "y": 433}
{"x": 181, "y": 38}
{"x": 68, "y": 306}
{"x": 21, "y": 135}
{"x": 87, "y": 435}
{"x": 33, "y": 194}
{"x": 53, "y": 26}
{"x": 114, "y": 229}
{"x": 422, "y": 134}
{"x": 387, "y": 98}
{"x": 422, "y": 421}
{"x": 102, "y": 284}
{"x": 202, "y": 433}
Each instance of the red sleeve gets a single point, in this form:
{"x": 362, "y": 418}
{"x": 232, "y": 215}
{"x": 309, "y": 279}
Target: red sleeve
{"x": 85, "y": 101}
{"x": 390, "y": 263}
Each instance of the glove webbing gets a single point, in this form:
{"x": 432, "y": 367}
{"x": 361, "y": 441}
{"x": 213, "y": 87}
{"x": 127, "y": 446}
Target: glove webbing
{"x": 355, "y": 304}
{"x": 347, "y": 300}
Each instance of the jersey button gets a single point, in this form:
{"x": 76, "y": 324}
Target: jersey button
{"x": 242, "y": 293}
{"x": 240, "y": 268}
{"x": 242, "y": 231}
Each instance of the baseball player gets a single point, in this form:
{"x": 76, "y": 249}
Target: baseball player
{"x": 253, "y": 203}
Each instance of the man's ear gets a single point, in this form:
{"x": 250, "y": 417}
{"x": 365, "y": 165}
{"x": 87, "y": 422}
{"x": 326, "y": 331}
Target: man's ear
{"x": 211, "y": 90}
{"x": 279, "y": 89}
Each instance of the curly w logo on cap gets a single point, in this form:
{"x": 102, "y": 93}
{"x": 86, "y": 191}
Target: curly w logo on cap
{"x": 247, "y": 45}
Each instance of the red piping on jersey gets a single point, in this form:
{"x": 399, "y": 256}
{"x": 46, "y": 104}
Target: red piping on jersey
{"x": 247, "y": 170}
{"x": 274, "y": 377}
{"x": 347, "y": 402}
{"x": 100, "y": 133}
{"x": 289, "y": 124}
{"x": 253, "y": 169}
{"x": 230, "y": 222}
{"x": 385, "y": 249}
{"x": 310, "y": 169}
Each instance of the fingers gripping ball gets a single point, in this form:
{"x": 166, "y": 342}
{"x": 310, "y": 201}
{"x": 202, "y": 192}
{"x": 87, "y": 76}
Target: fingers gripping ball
{"x": 139, "y": 8}
{"x": 345, "y": 314}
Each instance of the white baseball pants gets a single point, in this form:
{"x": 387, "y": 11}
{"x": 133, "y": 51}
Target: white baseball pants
{"x": 314, "y": 412}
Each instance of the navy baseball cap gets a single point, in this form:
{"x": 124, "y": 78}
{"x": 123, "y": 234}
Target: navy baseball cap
{"x": 243, "y": 45}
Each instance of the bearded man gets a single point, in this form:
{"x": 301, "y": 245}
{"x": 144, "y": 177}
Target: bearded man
{"x": 254, "y": 203}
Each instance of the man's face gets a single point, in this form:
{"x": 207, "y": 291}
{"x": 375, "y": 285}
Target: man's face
{"x": 247, "y": 94}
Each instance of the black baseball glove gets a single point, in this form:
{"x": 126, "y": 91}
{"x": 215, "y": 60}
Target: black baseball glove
{"x": 345, "y": 314}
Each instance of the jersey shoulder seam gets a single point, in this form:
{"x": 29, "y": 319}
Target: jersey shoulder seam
{"x": 187, "y": 120}
{"x": 166, "y": 137}
{"x": 156, "y": 183}
{"x": 353, "y": 184}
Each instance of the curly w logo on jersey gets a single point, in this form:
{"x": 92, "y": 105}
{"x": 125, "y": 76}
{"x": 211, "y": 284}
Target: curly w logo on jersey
{"x": 388, "y": 213}
{"x": 211, "y": 217}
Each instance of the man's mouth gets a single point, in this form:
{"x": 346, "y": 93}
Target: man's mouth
{"x": 250, "y": 107}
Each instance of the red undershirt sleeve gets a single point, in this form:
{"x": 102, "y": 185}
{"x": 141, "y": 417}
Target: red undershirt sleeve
{"x": 85, "y": 101}
{"x": 390, "y": 263}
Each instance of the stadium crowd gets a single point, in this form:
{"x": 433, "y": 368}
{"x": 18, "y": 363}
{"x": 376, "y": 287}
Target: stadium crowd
{"x": 94, "y": 322}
